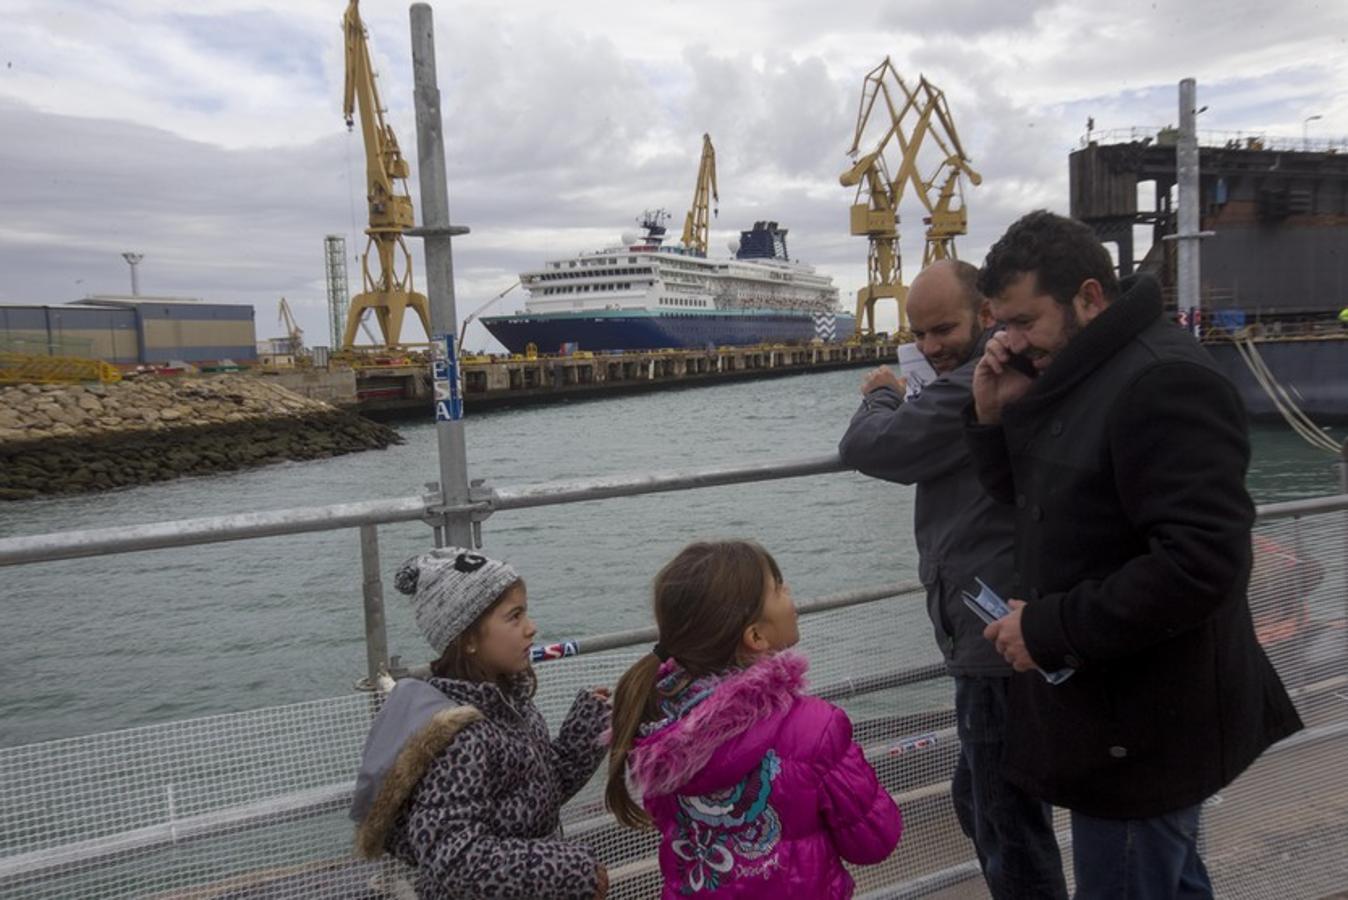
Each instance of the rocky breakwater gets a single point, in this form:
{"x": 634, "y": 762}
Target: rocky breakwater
{"x": 63, "y": 439}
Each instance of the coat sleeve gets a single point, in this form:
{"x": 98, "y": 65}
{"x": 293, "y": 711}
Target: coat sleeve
{"x": 908, "y": 441}
{"x": 991, "y": 457}
{"x": 1180, "y": 451}
{"x": 857, "y": 810}
{"x": 578, "y": 748}
{"x": 455, "y": 838}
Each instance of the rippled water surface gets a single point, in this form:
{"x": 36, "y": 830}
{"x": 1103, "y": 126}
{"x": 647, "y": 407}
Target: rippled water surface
{"x": 96, "y": 644}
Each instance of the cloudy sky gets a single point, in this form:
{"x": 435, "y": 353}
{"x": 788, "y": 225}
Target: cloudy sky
{"x": 208, "y": 136}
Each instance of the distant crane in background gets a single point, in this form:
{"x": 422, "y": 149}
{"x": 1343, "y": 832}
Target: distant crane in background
{"x": 294, "y": 333}
{"x": 386, "y": 171}
{"x": 913, "y": 117}
{"x": 697, "y": 224}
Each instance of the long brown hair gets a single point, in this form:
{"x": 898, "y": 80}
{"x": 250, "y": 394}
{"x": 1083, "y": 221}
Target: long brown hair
{"x": 456, "y": 662}
{"x": 704, "y": 599}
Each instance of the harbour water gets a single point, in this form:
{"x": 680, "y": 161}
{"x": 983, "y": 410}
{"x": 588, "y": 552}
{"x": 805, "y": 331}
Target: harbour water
{"x": 97, "y": 644}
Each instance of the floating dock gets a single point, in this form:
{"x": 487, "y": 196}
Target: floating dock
{"x": 498, "y": 381}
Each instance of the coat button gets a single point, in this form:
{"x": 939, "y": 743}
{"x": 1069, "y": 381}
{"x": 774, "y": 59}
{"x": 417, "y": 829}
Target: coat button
{"x": 1036, "y": 513}
{"x": 1056, "y": 428}
{"x": 1118, "y": 752}
{"x": 1021, "y": 501}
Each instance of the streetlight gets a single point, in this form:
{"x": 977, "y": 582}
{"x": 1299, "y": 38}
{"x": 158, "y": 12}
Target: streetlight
{"x": 133, "y": 259}
{"x": 1305, "y": 134}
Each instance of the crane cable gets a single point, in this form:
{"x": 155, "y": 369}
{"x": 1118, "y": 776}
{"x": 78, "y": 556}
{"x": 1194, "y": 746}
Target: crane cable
{"x": 1282, "y": 400}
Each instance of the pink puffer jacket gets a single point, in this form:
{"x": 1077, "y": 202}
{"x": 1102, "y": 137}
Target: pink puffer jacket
{"x": 758, "y": 790}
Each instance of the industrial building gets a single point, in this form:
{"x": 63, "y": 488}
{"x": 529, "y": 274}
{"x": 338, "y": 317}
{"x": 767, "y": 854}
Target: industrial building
{"x": 129, "y": 331}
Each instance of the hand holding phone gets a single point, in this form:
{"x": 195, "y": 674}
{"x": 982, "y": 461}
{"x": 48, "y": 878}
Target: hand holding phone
{"x": 989, "y": 607}
{"x": 1002, "y": 376}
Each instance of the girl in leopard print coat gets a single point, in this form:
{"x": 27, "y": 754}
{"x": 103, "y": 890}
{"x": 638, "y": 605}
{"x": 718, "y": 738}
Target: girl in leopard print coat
{"x": 459, "y": 777}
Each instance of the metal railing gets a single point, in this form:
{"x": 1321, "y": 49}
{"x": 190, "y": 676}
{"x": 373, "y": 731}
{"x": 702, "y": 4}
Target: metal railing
{"x": 1225, "y": 140}
{"x": 366, "y": 516}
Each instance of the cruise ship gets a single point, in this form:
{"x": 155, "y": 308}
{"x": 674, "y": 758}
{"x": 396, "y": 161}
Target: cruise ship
{"x": 644, "y": 294}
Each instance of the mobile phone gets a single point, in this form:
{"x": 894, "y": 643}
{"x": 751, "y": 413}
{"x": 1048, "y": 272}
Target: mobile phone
{"x": 1022, "y": 364}
{"x": 986, "y": 604}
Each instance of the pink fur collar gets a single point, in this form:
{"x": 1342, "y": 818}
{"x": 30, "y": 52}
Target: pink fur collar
{"x": 668, "y": 759}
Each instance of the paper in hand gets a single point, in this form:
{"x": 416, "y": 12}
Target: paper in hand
{"x": 914, "y": 367}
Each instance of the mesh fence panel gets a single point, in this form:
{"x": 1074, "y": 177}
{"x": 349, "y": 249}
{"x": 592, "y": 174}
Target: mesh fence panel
{"x": 253, "y": 805}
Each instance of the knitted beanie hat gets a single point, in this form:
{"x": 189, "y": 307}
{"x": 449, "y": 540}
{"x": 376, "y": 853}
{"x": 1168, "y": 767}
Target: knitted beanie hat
{"x": 450, "y": 587}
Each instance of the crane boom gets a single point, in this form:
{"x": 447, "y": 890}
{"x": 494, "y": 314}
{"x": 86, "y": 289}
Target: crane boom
{"x": 390, "y": 206}
{"x": 697, "y": 224}
{"x": 916, "y": 117}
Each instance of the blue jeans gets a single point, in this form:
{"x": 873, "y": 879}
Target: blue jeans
{"x": 1012, "y": 831}
{"x": 1139, "y": 859}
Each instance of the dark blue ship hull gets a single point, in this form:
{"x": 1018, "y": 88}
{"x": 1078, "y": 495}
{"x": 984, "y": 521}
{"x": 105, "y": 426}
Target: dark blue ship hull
{"x": 550, "y": 334}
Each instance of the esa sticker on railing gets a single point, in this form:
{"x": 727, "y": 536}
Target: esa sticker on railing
{"x": 446, "y": 378}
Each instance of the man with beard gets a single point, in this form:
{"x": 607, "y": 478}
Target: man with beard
{"x": 961, "y": 535}
{"x": 1124, "y": 459}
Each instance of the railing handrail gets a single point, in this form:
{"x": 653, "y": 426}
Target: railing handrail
{"x": 245, "y": 526}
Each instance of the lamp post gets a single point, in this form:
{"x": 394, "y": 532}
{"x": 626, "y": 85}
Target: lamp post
{"x": 133, "y": 259}
{"x": 1305, "y": 132}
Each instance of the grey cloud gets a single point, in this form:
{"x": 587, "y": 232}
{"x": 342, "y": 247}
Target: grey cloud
{"x": 961, "y": 17}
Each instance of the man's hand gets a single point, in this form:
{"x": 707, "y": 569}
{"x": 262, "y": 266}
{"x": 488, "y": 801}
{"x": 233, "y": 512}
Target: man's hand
{"x": 995, "y": 383}
{"x": 1010, "y": 643}
{"x": 884, "y": 377}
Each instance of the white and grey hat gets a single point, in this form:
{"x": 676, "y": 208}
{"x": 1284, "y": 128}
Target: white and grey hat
{"x": 450, "y": 587}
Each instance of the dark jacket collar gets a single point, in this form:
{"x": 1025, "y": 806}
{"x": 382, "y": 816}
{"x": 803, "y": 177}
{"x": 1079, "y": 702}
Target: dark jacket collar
{"x": 1136, "y": 309}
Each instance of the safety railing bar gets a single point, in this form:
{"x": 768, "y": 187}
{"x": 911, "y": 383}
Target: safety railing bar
{"x": 246, "y": 526}
{"x": 271, "y": 523}
{"x": 1291, "y": 509}
{"x": 139, "y": 841}
{"x": 207, "y": 530}
{"x": 635, "y": 637}
{"x": 553, "y": 493}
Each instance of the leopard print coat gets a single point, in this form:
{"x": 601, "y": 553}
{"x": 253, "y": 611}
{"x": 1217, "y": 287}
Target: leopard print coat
{"x": 482, "y": 821}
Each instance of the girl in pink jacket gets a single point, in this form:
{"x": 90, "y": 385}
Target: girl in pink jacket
{"x": 756, "y": 788}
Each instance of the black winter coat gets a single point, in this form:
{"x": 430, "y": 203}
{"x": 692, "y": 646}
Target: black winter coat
{"x": 1126, "y": 464}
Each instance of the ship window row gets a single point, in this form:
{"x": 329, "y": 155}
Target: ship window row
{"x": 681, "y": 301}
{"x": 587, "y": 288}
{"x": 602, "y": 273}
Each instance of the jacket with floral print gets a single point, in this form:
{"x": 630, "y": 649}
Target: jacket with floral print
{"x": 757, "y": 789}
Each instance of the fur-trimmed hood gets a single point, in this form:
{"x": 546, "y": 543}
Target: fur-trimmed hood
{"x": 679, "y": 750}
{"x": 415, "y": 724}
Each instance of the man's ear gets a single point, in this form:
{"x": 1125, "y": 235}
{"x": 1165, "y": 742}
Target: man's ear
{"x": 1090, "y": 300}
{"x": 985, "y": 317}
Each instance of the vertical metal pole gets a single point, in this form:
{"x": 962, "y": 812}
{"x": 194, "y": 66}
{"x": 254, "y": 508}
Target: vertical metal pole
{"x": 438, "y": 233}
{"x": 376, "y": 635}
{"x": 1186, "y": 177}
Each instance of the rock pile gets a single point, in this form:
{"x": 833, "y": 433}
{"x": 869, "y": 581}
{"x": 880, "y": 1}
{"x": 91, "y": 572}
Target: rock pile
{"x": 60, "y": 439}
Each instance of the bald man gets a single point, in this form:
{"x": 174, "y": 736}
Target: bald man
{"x": 961, "y": 534}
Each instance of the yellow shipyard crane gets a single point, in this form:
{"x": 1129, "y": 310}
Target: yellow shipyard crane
{"x": 390, "y": 294}
{"x": 697, "y": 224}
{"x": 912, "y": 118}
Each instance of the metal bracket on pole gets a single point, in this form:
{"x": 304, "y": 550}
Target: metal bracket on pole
{"x": 482, "y": 503}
